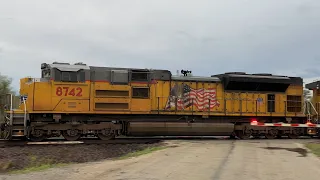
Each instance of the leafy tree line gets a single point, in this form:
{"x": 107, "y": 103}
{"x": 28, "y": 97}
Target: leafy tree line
{"x": 5, "y": 88}
{"x": 5, "y": 84}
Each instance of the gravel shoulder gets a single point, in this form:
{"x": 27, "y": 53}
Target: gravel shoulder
{"x": 38, "y": 157}
{"x": 196, "y": 159}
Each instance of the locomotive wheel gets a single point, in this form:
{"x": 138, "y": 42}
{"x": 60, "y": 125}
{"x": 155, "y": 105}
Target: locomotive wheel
{"x": 256, "y": 136}
{"x": 37, "y": 136}
{"x": 294, "y": 134}
{"x": 243, "y": 134}
{"x": 232, "y": 136}
{"x": 105, "y": 135}
{"x": 279, "y": 136}
{"x": 272, "y": 134}
{"x": 71, "y": 134}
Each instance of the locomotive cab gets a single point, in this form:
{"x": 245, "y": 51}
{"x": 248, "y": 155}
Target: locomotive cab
{"x": 62, "y": 87}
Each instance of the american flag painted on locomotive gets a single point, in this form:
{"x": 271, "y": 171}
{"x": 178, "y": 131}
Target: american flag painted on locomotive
{"x": 185, "y": 96}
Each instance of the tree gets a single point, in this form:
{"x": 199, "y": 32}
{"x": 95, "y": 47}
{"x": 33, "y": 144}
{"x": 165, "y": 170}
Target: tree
{"x": 5, "y": 88}
{"x": 5, "y": 84}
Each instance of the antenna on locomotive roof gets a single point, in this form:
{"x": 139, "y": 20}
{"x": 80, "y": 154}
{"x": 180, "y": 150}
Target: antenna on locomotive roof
{"x": 186, "y": 72}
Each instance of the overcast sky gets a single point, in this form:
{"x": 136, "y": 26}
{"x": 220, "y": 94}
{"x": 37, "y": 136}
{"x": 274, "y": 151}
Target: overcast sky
{"x": 205, "y": 36}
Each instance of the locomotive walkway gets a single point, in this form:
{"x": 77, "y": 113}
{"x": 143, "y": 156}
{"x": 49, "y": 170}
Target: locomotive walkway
{"x": 201, "y": 160}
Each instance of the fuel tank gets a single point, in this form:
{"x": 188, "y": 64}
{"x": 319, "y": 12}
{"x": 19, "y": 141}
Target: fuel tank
{"x": 179, "y": 129}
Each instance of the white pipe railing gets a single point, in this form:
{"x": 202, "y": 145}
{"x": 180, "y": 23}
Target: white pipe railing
{"x": 25, "y": 115}
{"x": 11, "y": 109}
{"x": 307, "y": 109}
{"x": 315, "y": 110}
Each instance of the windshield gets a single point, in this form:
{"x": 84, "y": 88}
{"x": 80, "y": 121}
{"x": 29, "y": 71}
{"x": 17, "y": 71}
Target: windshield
{"x": 46, "y": 73}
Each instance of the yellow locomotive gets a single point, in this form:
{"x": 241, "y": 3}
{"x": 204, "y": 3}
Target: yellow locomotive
{"x": 76, "y": 100}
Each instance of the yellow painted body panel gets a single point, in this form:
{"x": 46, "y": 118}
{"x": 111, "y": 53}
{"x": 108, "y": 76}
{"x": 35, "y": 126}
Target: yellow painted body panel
{"x": 43, "y": 98}
{"x": 27, "y": 88}
{"x": 295, "y": 90}
{"x": 70, "y": 97}
{"x": 142, "y": 105}
{"x": 105, "y": 98}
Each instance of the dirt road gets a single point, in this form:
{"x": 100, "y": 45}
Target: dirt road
{"x": 200, "y": 160}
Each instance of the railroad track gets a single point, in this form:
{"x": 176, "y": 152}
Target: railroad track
{"x": 123, "y": 140}
{"x": 8, "y": 143}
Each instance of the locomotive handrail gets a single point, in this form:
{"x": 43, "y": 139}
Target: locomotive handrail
{"x": 25, "y": 116}
{"x": 11, "y": 109}
{"x": 307, "y": 109}
{"x": 315, "y": 111}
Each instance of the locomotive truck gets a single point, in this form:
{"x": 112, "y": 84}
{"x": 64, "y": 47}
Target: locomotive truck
{"x": 77, "y": 100}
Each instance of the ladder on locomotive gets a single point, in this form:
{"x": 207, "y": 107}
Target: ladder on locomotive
{"x": 17, "y": 119}
{"x": 311, "y": 118}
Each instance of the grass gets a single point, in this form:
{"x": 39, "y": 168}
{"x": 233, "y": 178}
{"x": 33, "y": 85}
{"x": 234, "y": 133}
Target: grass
{"x": 142, "y": 152}
{"x": 5, "y": 165}
{"x": 40, "y": 167}
{"x": 37, "y": 164}
{"x": 314, "y": 147}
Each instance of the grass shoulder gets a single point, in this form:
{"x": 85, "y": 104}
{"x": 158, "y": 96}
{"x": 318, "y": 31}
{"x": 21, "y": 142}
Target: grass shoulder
{"x": 36, "y": 163}
{"x": 40, "y": 167}
{"x": 314, "y": 147}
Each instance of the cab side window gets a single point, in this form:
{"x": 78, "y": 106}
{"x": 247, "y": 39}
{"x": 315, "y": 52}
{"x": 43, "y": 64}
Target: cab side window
{"x": 46, "y": 73}
{"x": 142, "y": 76}
{"x": 69, "y": 76}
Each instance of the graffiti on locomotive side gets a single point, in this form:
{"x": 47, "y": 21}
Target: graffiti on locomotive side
{"x": 66, "y": 91}
{"x": 183, "y": 96}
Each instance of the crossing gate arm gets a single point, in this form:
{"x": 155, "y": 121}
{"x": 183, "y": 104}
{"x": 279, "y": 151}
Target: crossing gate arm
{"x": 255, "y": 123}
